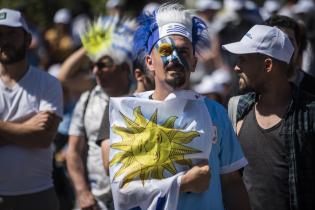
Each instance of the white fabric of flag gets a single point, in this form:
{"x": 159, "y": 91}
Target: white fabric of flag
{"x": 152, "y": 144}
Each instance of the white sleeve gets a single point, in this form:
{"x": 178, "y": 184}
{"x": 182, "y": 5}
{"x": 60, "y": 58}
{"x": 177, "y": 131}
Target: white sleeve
{"x": 51, "y": 97}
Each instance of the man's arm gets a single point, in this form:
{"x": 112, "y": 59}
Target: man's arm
{"x": 36, "y": 132}
{"x": 69, "y": 74}
{"x": 105, "y": 154}
{"x": 195, "y": 180}
{"x": 234, "y": 193}
{"x": 76, "y": 168}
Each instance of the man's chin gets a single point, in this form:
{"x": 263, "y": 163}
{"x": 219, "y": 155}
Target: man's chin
{"x": 7, "y": 60}
{"x": 176, "y": 83}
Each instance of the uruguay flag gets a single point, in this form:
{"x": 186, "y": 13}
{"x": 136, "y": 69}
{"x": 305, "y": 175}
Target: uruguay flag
{"x": 152, "y": 144}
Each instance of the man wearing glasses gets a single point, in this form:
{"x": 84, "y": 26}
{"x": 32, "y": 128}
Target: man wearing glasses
{"x": 111, "y": 68}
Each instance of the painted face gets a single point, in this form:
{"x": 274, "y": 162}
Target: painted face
{"x": 168, "y": 52}
{"x": 173, "y": 61}
{"x": 104, "y": 70}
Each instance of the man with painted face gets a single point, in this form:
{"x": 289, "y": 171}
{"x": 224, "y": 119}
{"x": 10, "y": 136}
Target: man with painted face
{"x": 171, "y": 37}
{"x": 30, "y": 111}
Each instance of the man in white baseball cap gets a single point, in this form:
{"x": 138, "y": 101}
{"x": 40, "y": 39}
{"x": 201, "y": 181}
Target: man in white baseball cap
{"x": 30, "y": 111}
{"x": 264, "y": 40}
{"x": 270, "y": 123}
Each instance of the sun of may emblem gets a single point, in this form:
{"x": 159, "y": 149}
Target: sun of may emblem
{"x": 147, "y": 149}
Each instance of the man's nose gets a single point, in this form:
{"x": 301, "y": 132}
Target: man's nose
{"x": 237, "y": 69}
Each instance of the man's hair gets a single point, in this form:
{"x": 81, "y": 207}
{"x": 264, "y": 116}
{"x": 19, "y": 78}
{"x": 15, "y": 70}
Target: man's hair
{"x": 139, "y": 62}
{"x": 299, "y": 34}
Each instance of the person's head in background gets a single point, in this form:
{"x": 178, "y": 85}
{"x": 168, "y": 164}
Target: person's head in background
{"x": 62, "y": 20}
{"x": 114, "y": 7}
{"x": 210, "y": 88}
{"x": 207, "y": 9}
{"x": 108, "y": 44}
{"x": 296, "y": 33}
{"x": 144, "y": 78}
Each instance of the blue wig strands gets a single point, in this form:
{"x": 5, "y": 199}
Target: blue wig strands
{"x": 184, "y": 22}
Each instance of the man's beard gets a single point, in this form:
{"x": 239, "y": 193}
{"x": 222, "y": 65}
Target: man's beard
{"x": 14, "y": 57}
{"x": 178, "y": 80}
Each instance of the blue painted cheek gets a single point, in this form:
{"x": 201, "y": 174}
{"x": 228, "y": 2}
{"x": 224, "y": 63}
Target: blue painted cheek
{"x": 165, "y": 60}
{"x": 174, "y": 58}
{"x": 180, "y": 60}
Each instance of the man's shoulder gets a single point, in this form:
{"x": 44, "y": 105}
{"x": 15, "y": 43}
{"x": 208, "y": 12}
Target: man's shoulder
{"x": 217, "y": 111}
{"x": 214, "y": 106}
{"x": 43, "y": 75}
{"x": 305, "y": 98}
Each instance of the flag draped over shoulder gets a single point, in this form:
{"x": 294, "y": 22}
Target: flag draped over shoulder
{"x": 152, "y": 143}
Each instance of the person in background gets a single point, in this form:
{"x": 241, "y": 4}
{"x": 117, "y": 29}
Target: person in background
{"x": 144, "y": 78}
{"x": 60, "y": 43}
{"x": 107, "y": 44}
{"x": 296, "y": 34}
{"x": 30, "y": 111}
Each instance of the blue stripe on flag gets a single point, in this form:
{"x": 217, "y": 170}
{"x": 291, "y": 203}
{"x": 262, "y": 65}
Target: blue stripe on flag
{"x": 136, "y": 208}
{"x": 161, "y": 203}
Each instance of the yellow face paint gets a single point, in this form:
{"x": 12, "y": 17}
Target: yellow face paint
{"x": 165, "y": 49}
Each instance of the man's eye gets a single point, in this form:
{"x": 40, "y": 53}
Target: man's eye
{"x": 165, "y": 49}
{"x": 184, "y": 52}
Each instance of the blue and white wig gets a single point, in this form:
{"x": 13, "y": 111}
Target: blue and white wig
{"x": 170, "y": 19}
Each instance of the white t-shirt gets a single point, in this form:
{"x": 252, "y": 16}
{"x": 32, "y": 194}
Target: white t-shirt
{"x": 27, "y": 170}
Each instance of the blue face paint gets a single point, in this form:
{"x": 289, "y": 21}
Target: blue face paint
{"x": 169, "y": 53}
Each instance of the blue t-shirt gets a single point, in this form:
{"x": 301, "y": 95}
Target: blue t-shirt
{"x": 226, "y": 156}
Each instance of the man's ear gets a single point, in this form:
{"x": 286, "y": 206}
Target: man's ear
{"x": 149, "y": 62}
{"x": 28, "y": 39}
{"x": 268, "y": 64}
{"x": 138, "y": 75}
{"x": 194, "y": 64}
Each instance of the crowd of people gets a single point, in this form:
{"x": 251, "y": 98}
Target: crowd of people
{"x": 211, "y": 107}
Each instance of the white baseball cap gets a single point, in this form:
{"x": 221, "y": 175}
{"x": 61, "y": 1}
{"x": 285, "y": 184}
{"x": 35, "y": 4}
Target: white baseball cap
{"x": 264, "y": 40}
{"x": 209, "y": 85}
{"x": 305, "y": 6}
{"x": 13, "y": 18}
{"x": 272, "y": 6}
{"x": 63, "y": 15}
{"x": 202, "y": 5}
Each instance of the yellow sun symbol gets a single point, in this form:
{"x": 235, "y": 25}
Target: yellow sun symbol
{"x": 148, "y": 148}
